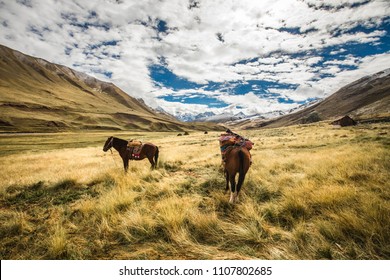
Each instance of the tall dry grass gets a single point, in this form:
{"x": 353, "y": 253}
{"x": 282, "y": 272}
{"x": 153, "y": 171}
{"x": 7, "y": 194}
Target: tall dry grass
{"x": 313, "y": 192}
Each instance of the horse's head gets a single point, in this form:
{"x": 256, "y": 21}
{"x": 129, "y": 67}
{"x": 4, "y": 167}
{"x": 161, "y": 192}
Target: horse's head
{"x": 108, "y": 144}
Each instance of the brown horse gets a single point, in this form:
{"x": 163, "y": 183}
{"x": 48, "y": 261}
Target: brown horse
{"x": 237, "y": 160}
{"x": 148, "y": 150}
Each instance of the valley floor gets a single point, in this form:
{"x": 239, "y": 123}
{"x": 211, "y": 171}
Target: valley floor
{"x": 312, "y": 192}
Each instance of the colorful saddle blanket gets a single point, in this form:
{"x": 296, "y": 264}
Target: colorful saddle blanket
{"x": 135, "y": 148}
{"x": 228, "y": 140}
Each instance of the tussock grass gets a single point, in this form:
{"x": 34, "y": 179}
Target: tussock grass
{"x": 312, "y": 192}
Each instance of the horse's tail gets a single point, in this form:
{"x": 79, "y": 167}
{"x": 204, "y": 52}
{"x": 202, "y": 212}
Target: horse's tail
{"x": 241, "y": 173}
{"x": 156, "y": 156}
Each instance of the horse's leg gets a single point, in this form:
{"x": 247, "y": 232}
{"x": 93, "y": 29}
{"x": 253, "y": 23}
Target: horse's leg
{"x": 241, "y": 178}
{"x": 227, "y": 181}
{"x": 150, "y": 158}
{"x": 242, "y": 170}
{"x": 126, "y": 163}
{"x": 155, "y": 156}
{"x": 233, "y": 193}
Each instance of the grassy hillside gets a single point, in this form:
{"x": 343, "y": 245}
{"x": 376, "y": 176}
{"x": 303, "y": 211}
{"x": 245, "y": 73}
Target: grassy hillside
{"x": 313, "y": 192}
{"x": 39, "y": 96}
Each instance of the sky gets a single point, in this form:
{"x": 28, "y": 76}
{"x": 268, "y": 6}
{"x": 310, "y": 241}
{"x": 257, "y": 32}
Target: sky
{"x": 196, "y": 56}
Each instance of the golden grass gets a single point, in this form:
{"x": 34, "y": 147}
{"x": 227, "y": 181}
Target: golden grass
{"x": 313, "y": 192}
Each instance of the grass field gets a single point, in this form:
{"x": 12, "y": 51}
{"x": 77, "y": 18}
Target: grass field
{"x": 313, "y": 192}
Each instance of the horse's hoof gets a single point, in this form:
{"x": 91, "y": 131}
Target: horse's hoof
{"x": 233, "y": 198}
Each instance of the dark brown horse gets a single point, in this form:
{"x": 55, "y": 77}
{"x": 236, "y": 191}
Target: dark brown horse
{"x": 148, "y": 150}
{"x": 237, "y": 160}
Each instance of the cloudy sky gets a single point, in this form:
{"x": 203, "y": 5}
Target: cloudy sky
{"x": 208, "y": 55}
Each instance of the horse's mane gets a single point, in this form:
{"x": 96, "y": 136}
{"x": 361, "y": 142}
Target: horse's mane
{"x": 122, "y": 141}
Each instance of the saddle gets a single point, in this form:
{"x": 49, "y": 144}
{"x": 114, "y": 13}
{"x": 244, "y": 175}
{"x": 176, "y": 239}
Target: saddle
{"x": 134, "y": 143}
{"x": 228, "y": 141}
{"x": 135, "y": 148}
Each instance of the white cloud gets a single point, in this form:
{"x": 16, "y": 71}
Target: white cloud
{"x": 367, "y": 66}
{"x": 253, "y": 104}
{"x": 348, "y": 60}
{"x": 304, "y": 92}
{"x": 177, "y": 108}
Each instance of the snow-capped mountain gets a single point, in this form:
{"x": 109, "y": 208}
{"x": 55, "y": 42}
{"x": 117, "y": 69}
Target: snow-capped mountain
{"x": 232, "y": 118}
{"x": 222, "y": 118}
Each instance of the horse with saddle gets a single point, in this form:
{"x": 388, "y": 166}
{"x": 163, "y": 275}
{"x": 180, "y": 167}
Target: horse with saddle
{"x": 236, "y": 158}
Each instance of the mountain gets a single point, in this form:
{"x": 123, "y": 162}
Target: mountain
{"x": 188, "y": 117}
{"x": 39, "y": 96}
{"x": 202, "y": 117}
{"x": 223, "y": 117}
{"x": 228, "y": 118}
{"x": 366, "y": 99}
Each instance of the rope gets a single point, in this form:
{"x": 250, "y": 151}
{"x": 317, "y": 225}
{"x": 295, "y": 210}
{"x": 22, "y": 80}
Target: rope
{"x": 112, "y": 154}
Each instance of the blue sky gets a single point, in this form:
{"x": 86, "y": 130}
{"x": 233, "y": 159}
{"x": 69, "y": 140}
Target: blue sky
{"x": 190, "y": 57}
